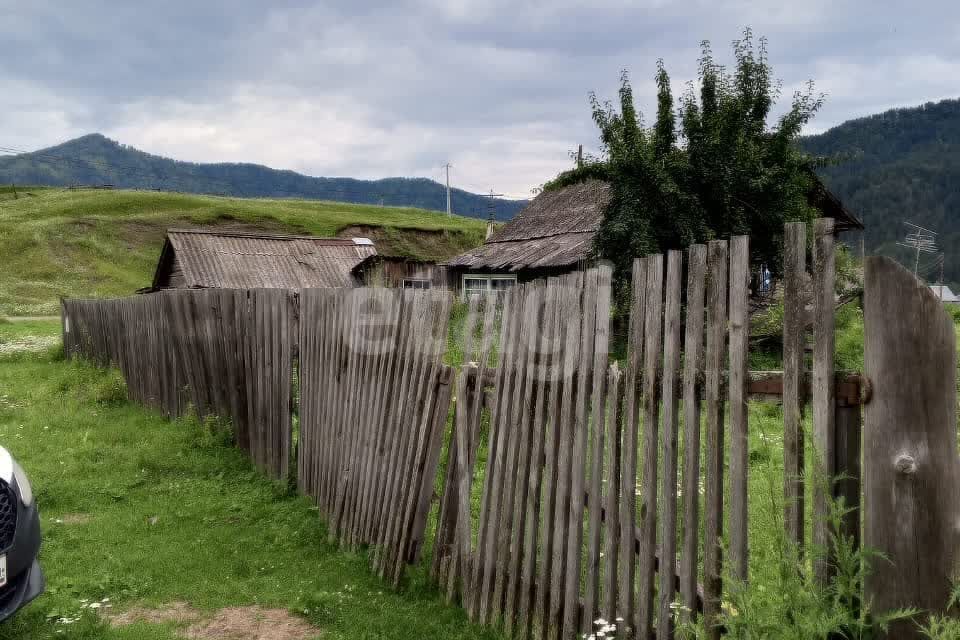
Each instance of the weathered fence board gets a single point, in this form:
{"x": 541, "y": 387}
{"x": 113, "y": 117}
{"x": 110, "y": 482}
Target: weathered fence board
{"x": 911, "y": 470}
{"x": 794, "y": 261}
{"x": 823, "y": 395}
{"x": 737, "y": 393}
{"x": 692, "y": 371}
{"x": 713, "y": 406}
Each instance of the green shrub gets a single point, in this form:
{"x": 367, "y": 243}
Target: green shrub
{"x": 111, "y": 389}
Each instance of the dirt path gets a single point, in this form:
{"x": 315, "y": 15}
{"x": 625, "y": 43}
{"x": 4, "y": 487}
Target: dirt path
{"x": 30, "y": 318}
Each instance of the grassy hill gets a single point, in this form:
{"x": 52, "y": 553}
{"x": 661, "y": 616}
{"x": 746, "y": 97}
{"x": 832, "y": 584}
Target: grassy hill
{"x": 85, "y": 242}
{"x": 95, "y": 160}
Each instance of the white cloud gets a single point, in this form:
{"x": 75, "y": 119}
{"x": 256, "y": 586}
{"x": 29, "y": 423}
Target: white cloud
{"x": 496, "y": 87}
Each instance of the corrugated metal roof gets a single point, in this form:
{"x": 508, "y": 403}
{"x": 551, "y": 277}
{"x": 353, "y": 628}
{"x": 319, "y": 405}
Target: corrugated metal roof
{"x": 555, "y": 230}
{"x": 211, "y": 259}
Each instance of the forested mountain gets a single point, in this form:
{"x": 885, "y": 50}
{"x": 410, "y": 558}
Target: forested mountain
{"x": 903, "y": 164}
{"x": 97, "y": 160}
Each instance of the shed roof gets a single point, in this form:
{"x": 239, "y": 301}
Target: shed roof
{"x": 831, "y": 207}
{"x": 218, "y": 259}
{"x": 944, "y": 292}
{"x": 555, "y": 230}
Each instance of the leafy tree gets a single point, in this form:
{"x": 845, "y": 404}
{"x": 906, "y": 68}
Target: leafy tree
{"x": 709, "y": 167}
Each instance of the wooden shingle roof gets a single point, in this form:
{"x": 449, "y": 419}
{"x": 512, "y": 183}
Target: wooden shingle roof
{"x": 555, "y": 230}
{"x": 233, "y": 260}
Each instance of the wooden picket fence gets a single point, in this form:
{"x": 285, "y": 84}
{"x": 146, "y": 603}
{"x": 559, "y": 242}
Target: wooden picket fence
{"x": 573, "y": 489}
{"x": 561, "y": 539}
{"x": 594, "y": 502}
{"x": 375, "y": 398}
{"x": 217, "y": 352}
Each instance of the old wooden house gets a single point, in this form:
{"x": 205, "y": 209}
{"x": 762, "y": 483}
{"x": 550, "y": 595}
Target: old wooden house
{"x": 400, "y": 273}
{"x": 554, "y": 234}
{"x": 199, "y": 259}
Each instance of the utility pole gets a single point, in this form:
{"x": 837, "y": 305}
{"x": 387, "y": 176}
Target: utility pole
{"x": 491, "y": 210}
{"x": 579, "y": 156}
{"x": 942, "y": 260}
{"x": 447, "y": 167}
{"x": 15, "y": 197}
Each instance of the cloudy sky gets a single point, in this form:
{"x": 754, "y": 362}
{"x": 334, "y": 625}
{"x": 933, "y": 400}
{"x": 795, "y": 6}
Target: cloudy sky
{"x": 498, "y": 88}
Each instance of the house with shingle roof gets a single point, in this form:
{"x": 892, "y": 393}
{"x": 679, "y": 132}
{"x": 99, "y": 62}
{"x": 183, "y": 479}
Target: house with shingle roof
{"x": 554, "y": 234}
{"x": 550, "y": 236}
{"x": 203, "y": 259}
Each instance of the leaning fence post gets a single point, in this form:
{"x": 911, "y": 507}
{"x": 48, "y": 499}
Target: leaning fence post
{"x": 911, "y": 488}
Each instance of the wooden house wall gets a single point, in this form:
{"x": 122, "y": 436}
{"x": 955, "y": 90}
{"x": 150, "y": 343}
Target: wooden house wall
{"x": 392, "y": 272}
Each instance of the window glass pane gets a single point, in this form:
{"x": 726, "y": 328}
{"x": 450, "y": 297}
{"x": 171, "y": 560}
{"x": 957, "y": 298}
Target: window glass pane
{"x": 499, "y": 284}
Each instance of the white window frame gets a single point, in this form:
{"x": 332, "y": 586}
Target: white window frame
{"x": 423, "y": 282}
{"x": 488, "y": 279}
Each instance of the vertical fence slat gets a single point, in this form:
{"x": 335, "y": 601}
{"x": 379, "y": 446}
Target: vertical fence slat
{"x": 653, "y": 329}
{"x": 668, "y": 449}
{"x": 578, "y": 453}
{"x": 524, "y": 422}
{"x": 714, "y": 405}
{"x": 692, "y": 368}
{"x": 737, "y": 391}
{"x": 630, "y": 425}
{"x": 460, "y": 560}
{"x": 794, "y": 259}
{"x": 612, "y": 498}
{"x": 597, "y": 426}
{"x": 509, "y": 477}
{"x": 823, "y": 392}
{"x": 566, "y": 427}
{"x": 488, "y": 538}
{"x": 554, "y": 392}
{"x": 537, "y": 462}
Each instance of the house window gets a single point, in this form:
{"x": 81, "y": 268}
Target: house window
{"x": 416, "y": 283}
{"x": 479, "y": 284}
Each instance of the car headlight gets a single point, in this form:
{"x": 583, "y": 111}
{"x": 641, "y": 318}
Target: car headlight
{"x": 23, "y": 484}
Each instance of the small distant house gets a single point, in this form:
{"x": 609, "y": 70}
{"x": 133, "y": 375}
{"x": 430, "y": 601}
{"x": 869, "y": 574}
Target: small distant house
{"x": 552, "y": 235}
{"x": 946, "y": 295}
{"x": 400, "y": 273}
{"x": 200, "y": 259}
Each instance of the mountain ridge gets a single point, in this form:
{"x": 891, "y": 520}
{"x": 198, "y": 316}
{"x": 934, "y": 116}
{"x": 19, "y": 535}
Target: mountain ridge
{"x": 94, "y": 159}
{"x": 896, "y": 166}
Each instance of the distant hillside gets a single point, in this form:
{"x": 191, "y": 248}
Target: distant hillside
{"x": 96, "y": 160}
{"x": 902, "y": 164}
{"x": 81, "y": 243}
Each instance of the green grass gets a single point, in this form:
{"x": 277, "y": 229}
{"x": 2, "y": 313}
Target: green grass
{"x": 172, "y": 513}
{"x": 76, "y": 243}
